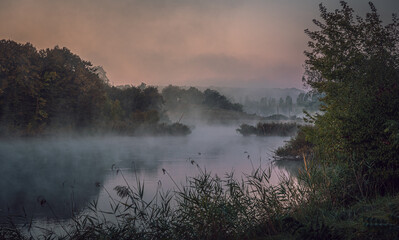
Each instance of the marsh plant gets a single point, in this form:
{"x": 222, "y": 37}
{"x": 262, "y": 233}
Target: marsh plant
{"x": 322, "y": 202}
{"x": 205, "y": 207}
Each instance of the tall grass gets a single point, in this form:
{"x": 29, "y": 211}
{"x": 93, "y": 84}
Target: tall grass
{"x": 205, "y": 207}
{"x": 210, "y": 207}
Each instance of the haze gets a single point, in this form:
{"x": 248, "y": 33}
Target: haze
{"x": 230, "y": 43}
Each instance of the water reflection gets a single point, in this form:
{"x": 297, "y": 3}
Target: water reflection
{"x": 41, "y": 173}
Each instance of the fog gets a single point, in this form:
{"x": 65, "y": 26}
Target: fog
{"x": 240, "y": 94}
{"x": 69, "y": 172}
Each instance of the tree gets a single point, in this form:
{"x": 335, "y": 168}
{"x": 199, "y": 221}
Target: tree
{"x": 354, "y": 63}
{"x": 214, "y": 99}
{"x": 280, "y": 105}
{"x": 49, "y": 87}
{"x": 288, "y": 103}
{"x": 300, "y": 99}
{"x": 21, "y": 87}
{"x": 172, "y": 96}
{"x": 76, "y": 94}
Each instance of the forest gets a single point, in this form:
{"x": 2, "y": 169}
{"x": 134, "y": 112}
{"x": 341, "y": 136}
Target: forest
{"x": 54, "y": 90}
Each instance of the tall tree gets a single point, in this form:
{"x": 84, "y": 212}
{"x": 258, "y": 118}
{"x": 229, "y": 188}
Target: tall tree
{"x": 354, "y": 62}
{"x": 21, "y": 101}
{"x": 76, "y": 94}
{"x": 288, "y": 103}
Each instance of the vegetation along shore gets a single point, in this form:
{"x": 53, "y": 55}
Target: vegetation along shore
{"x": 348, "y": 185}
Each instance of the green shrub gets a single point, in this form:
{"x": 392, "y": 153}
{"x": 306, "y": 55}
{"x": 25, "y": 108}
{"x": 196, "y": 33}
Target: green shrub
{"x": 296, "y": 146}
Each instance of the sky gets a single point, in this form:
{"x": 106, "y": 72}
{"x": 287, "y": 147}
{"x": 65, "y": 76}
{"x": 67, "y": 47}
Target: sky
{"x": 225, "y": 43}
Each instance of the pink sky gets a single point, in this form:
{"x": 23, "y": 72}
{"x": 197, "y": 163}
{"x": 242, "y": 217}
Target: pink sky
{"x": 233, "y": 43}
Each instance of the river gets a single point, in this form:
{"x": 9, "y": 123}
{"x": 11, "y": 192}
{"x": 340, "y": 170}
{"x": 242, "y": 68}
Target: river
{"x": 47, "y": 179}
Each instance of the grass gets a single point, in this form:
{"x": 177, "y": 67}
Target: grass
{"x": 206, "y": 207}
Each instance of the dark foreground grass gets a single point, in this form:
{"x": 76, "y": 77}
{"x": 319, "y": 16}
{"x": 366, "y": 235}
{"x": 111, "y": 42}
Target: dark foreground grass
{"x": 316, "y": 205}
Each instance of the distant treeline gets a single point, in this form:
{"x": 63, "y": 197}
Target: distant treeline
{"x": 268, "y": 105}
{"x": 42, "y": 91}
{"x": 180, "y": 98}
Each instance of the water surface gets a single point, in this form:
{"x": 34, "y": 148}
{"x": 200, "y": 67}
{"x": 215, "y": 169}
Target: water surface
{"x": 49, "y": 179}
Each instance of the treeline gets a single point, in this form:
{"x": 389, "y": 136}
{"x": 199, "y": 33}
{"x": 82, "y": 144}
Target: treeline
{"x": 268, "y": 105}
{"x": 54, "y": 89}
{"x": 180, "y": 98}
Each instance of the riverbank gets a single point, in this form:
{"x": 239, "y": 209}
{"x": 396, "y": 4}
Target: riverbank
{"x": 210, "y": 207}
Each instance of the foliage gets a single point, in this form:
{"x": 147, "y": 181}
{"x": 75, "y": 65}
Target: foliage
{"x": 268, "y": 129}
{"x": 277, "y": 107}
{"x": 176, "y": 97}
{"x": 53, "y": 89}
{"x": 206, "y": 207}
{"x": 392, "y": 128}
{"x": 134, "y": 99}
{"x": 313, "y": 206}
{"x": 354, "y": 63}
{"x": 183, "y": 99}
{"x": 49, "y": 87}
{"x": 297, "y": 146}
{"x": 388, "y": 228}
{"x": 214, "y": 99}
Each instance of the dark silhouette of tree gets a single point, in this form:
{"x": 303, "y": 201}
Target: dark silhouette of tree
{"x": 76, "y": 94}
{"x": 21, "y": 87}
{"x": 179, "y": 98}
{"x": 214, "y": 99}
{"x": 56, "y": 88}
{"x": 288, "y": 103}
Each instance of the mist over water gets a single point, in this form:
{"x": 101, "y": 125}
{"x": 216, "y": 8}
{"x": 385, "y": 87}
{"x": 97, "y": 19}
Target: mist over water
{"x": 66, "y": 171}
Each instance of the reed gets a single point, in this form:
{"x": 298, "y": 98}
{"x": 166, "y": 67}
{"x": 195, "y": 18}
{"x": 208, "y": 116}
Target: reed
{"x": 318, "y": 204}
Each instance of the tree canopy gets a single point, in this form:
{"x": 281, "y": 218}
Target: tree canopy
{"x": 47, "y": 87}
{"x": 56, "y": 89}
{"x": 177, "y": 97}
{"x": 354, "y": 62}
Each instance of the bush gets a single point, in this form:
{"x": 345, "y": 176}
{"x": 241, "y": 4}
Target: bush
{"x": 268, "y": 129}
{"x": 297, "y": 146}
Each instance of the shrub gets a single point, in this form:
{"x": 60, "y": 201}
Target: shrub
{"x": 268, "y": 129}
{"x": 297, "y": 146}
